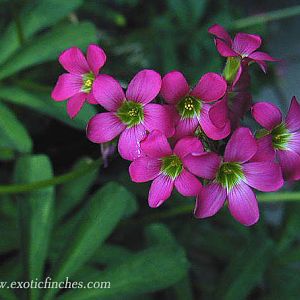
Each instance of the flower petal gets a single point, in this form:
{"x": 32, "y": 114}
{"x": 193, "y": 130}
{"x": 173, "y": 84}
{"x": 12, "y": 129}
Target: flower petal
{"x": 67, "y": 86}
{"x": 241, "y": 147}
{"x": 266, "y": 114}
{"x": 129, "y": 143}
{"x": 245, "y": 43}
{"x": 96, "y": 58}
{"x": 144, "y": 169}
{"x": 108, "y": 92}
{"x": 187, "y": 146}
{"x": 210, "y": 200}
{"x": 263, "y": 176}
{"x": 210, "y": 87}
{"x": 204, "y": 165}
{"x": 91, "y": 99}
{"x": 293, "y": 116}
{"x": 219, "y": 31}
{"x": 144, "y": 86}
{"x": 157, "y": 116}
{"x": 104, "y": 127}
{"x": 265, "y": 150}
{"x": 224, "y": 49}
{"x": 160, "y": 190}
{"x": 243, "y": 205}
{"x": 74, "y": 61}
{"x": 258, "y": 55}
{"x": 294, "y": 142}
{"x": 186, "y": 127}
{"x": 174, "y": 87}
{"x": 187, "y": 184}
{"x": 218, "y": 113}
{"x": 290, "y": 164}
{"x": 156, "y": 145}
{"x": 75, "y": 103}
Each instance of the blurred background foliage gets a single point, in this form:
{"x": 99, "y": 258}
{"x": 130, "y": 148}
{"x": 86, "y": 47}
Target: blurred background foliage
{"x": 91, "y": 223}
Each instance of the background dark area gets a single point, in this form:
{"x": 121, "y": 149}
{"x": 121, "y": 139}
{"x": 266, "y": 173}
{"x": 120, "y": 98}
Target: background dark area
{"x": 91, "y": 228}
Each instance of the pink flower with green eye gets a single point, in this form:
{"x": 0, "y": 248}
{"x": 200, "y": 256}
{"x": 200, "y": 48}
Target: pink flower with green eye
{"x": 280, "y": 138}
{"x": 166, "y": 167}
{"x": 191, "y": 107}
{"x": 76, "y": 85}
{"x": 243, "y": 46}
{"x": 232, "y": 178}
{"x": 129, "y": 115}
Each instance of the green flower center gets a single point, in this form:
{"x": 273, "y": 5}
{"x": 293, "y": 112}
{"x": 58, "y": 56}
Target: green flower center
{"x": 171, "y": 166}
{"x": 131, "y": 113}
{"x": 189, "y": 107}
{"x": 88, "y": 80}
{"x": 280, "y": 137}
{"x": 229, "y": 174}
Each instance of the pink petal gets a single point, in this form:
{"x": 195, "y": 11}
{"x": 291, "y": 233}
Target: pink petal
{"x": 241, "y": 146}
{"x": 186, "y": 127}
{"x": 218, "y": 113}
{"x": 160, "y": 190}
{"x": 96, "y": 58}
{"x": 266, "y": 114}
{"x": 75, "y": 103}
{"x": 187, "y": 184}
{"x": 258, "y": 55}
{"x": 129, "y": 143}
{"x": 144, "y": 86}
{"x": 74, "y": 61}
{"x": 293, "y": 115}
{"x": 245, "y": 43}
{"x": 265, "y": 150}
{"x": 108, "y": 92}
{"x": 219, "y": 31}
{"x": 263, "y": 176}
{"x": 67, "y": 86}
{"x": 91, "y": 99}
{"x": 210, "y": 87}
{"x": 144, "y": 169}
{"x": 205, "y": 165}
{"x": 210, "y": 200}
{"x": 290, "y": 164}
{"x": 156, "y": 145}
{"x": 157, "y": 116}
{"x": 174, "y": 87}
{"x": 294, "y": 142}
{"x": 243, "y": 205}
{"x": 187, "y": 146}
{"x": 224, "y": 49}
{"x": 104, "y": 127}
{"x": 263, "y": 65}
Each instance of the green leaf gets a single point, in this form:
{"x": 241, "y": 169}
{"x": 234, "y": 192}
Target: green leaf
{"x": 101, "y": 216}
{"x": 7, "y": 294}
{"x": 32, "y": 19}
{"x": 9, "y": 236}
{"x": 13, "y": 134}
{"x": 48, "y": 46}
{"x": 36, "y": 216}
{"x": 42, "y": 103}
{"x": 159, "y": 234}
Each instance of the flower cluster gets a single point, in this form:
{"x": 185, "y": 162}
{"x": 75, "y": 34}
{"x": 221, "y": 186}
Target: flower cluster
{"x": 191, "y": 138}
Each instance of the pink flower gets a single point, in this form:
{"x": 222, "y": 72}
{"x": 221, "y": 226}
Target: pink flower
{"x": 76, "y": 85}
{"x": 243, "y": 45}
{"x": 191, "y": 107}
{"x": 131, "y": 116}
{"x": 232, "y": 177}
{"x": 280, "y": 137}
{"x": 166, "y": 167}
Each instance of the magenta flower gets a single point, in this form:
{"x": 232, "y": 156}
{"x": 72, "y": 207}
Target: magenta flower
{"x": 280, "y": 137}
{"x": 243, "y": 45}
{"x": 131, "y": 116}
{"x": 191, "y": 107}
{"x": 166, "y": 167}
{"x": 76, "y": 85}
{"x": 232, "y": 177}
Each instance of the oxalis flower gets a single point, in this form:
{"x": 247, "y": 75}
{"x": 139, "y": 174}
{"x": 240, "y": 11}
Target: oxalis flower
{"x": 76, "y": 85}
{"x": 191, "y": 107}
{"x": 232, "y": 176}
{"x": 280, "y": 137}
{"x": 130, "y": 115}
{"x": 166, "y": 167}
{"x": 243, "y": 46}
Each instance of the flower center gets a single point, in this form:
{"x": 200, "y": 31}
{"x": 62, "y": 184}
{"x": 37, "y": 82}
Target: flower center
{"x": 280, "y": 137}
{"x": 189, "y": 107}
{"x": 131, "y": 113}
{"x": 171, "y": 166}
{"x": 88, "y": 80}
{"x": 229, "y": 174}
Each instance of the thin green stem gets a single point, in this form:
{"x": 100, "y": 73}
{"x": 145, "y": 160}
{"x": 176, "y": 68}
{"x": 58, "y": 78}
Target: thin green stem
{"x": 266, "y": 17}
{"x": 28, "y": 187}
{"x": 18, "y": 23}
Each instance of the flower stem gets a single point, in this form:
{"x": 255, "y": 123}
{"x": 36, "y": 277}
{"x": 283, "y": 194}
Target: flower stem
{"x": 17, "y": 23}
